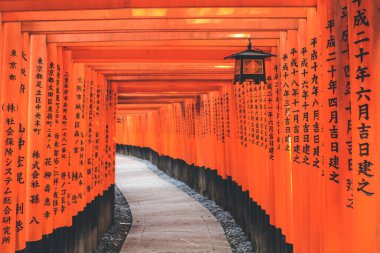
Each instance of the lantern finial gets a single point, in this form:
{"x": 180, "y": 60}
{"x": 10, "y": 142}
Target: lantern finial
{"x": 249, "y": 44}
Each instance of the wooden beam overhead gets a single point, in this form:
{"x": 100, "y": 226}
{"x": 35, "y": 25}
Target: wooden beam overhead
{"x": 158, "y": 36}
{"x": 171, "y": 78}
{"x": 178, "y": 48}
{"x": 149, "y": 106}
{"x": 150, "y": 25}
{"x": 153, "y": 67}
{"x": 99, "y": 55}
{"x": 33, "y": 5}
{"x": 157, "y": 95}
{"x": 156, "y": 13}
{"x": 162, "y": 71}
{"x": 134, "y": 112}
{"x": 173, "y": 44}
{"x": 171, "y": 84}
{"x": 153, "y": 101}
{"x": 200, "y": 64}
{"x": 142, "y": 102}
{"x": 167, "y": 89}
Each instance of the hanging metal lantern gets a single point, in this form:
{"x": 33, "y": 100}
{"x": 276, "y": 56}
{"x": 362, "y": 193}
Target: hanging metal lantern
{"x": 250, "y": 65}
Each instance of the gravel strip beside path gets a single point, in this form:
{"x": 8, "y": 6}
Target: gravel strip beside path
{"x": 113, "y": 240}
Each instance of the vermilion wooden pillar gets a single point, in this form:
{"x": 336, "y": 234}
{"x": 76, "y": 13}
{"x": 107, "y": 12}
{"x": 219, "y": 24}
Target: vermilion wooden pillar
{"x": 293, "y": 124}
{"x": 345, "y": 126}
{"x": 48, "y": 186}
{"x": 363, "y": 74}
{"x": 22, "y": 172}
{"x": 229, "y": 130}
{"x": 313, "y": 47}
{"x": 285, "y": 202}
{"x": 303, "y": 131}
{"x": 277, "y": 97}
{"x": 249, "y": 147}
{"x": 331, "y": 132}
{"x": 66, "y": 140}
{"x": 36, "y": 142}
{"x": 90, "y": 191}
{"x": 59, "y": 196}
{"x": 10, "y": 120}
{"x": 376, "y": 58}
{"x": 1, "y": 45}
{"x": 272, "y": 134}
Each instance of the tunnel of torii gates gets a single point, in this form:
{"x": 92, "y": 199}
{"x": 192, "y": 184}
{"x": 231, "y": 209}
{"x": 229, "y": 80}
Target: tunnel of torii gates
{"x": 301, "y": 152}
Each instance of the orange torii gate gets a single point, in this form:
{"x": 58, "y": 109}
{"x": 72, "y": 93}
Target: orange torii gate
{"x": 314, "y": 120}
{"x": 77, "y": 77}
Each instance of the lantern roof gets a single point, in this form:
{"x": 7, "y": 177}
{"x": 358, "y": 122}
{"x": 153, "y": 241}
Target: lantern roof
{"x": 250, "y": 53}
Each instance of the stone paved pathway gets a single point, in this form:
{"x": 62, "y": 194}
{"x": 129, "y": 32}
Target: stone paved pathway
{"x": 165, "y": 219}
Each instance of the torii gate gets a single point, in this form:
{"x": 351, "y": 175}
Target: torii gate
{"x": 77, "y": 77}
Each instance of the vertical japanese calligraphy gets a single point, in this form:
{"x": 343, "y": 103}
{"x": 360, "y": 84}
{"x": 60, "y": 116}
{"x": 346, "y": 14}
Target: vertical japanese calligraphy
{"x": 10, "y": 131}
{"x": 36, "y": 125}
{"x": 45, "y": 123}
{"x": 361, "y": 62}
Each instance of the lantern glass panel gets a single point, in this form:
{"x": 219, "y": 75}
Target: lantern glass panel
{"x": 237, "y": 67}
{"x": 253, "y": 67}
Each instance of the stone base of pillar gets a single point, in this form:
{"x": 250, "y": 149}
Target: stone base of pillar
{"x": 87, "y": 229}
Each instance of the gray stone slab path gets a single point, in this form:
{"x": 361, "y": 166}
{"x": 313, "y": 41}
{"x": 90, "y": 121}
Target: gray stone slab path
{"x": 165, "y": 219}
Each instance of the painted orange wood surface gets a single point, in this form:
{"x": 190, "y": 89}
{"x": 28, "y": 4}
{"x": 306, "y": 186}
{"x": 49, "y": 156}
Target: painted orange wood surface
{"x": 44, "y": 182}
{"x": 77, "y": 77}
